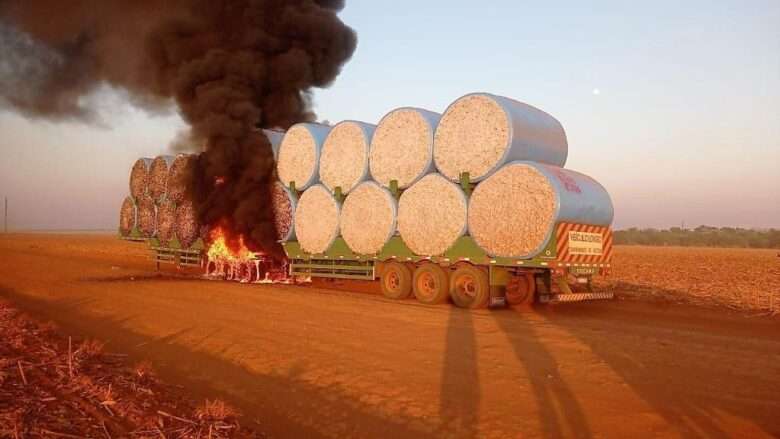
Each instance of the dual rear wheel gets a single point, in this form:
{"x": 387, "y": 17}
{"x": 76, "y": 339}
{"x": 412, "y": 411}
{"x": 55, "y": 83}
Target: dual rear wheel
{"x": 467, "y": 285}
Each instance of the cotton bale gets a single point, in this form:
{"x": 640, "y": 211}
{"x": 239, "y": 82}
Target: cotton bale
{"x": 480, "y": 132}
{"x": 368, "y": 218}
{"x": 139, "y": 177}
{"x": 298, "y": 160}
{"x": 188, "y": 229}
{"x": 402, "y": 146}
{"x": 166, "y": 221}
{"x": 317, "y": 219}
{"x": 432, "y": 215}
{"x": 513, "y": 213}
{"x": 283, "y": 204}
{"x": 147, "y": 216}
{"x": 344, "y": 160}
{"x": 177, "y": 177}
{"x": 158, "y": 177}
{"x": 128, "y": 216}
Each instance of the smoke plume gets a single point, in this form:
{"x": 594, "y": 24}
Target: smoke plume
{"x": 229, "y": 67}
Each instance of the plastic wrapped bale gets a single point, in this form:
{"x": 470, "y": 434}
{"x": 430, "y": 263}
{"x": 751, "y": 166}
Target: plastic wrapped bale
{"x": 299, "y": 154}
{"x": 480, "y": 132}
{"x": 177, "y": 177}
{"x": 284, "y": 211}
{"x": 432, "y": 215}
{"x": 147, "y": 216}
{"x": 275, "y": 137}
{"x": 368, "y": 218}
{"x": 139, "y": 177}
{"x": 188, "y": 229}
{"x": 158, "y": 177}
{"x": 513, "y": 213}
{"x": 317, "y": 219}
{"x": 166, "y": 222}
{"x": 402, "y": 147}
{"x": 344, "y": 160}
{"x": 128, "y": 216}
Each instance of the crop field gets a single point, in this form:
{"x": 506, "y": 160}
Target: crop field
{"x": 743, "y": 279}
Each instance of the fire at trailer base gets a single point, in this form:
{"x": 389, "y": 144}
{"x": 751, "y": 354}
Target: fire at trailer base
{"x": 239, "y": 265}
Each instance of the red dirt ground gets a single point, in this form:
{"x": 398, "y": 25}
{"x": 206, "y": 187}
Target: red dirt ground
{"x": 310, "y": 362}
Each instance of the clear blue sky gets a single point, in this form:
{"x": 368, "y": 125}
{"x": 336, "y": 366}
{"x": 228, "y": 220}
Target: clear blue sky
{"x": 673, "y": 106}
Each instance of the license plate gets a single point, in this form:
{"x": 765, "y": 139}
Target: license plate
{"x": 582, "y": 270}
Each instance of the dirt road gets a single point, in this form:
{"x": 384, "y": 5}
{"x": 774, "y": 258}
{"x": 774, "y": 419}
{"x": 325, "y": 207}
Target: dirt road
{"x": 311, "y": 362}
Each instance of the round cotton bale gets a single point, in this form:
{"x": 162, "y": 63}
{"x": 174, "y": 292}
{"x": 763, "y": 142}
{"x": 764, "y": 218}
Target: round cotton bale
{"x": 317, "y": 219}
{"x": 513, "y": 213}
{"x": 402, "y": 147}
{"x": 147, "y": 216}
{"x": 275, "y": 137}
{"x": 344, "y": 161}
{"x": 432, "y": 215}
{"x": 299, "y": 154}
{"x": 166, "y": 221}
{"x": 177, "y": 177}
{"x": 480, "y": 132}
{"x": 139, "y": 177}
{"x": 368, "y": 218}
{"x": 283, "y": 204}
{"x": 188, "y": 229}
{"x": 128, "y": 216}
{"x": 158, "y": 177}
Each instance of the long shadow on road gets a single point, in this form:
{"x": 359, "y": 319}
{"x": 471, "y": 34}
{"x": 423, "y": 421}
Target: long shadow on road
{"x": 284, "y": 405}
{"x": 460, "y": 380}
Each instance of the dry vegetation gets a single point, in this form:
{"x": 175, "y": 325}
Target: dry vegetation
{"x": 742, "y": 279}
{"x": 52, "y": 386}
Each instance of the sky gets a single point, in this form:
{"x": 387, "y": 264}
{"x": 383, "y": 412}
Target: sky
{"x": 673, "y": 106}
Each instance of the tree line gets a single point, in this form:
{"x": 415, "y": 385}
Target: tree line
{"x": 702, "y": 236}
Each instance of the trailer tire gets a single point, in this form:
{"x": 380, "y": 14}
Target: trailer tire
{"x": 431, "y": 284}
{"x": 470, "y": 287}
{"x": 396, "y": 281}
{"x": 521, "y": 290}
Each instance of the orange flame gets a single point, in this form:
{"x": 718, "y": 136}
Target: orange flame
{"x": 220, "y": 250}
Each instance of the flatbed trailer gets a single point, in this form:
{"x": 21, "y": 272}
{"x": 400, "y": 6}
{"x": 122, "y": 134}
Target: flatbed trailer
{"x": 562, "y": 272}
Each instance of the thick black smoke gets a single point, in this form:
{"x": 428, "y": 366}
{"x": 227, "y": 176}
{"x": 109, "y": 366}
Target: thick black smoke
{"x": 230, "y": 66}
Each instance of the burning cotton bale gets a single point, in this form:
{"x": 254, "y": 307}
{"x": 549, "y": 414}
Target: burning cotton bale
{"x": 187, "y": 228}
{"x": 177, "y": 177}
{"x": 513, "y": 212}
{"x": 166, "y": 221}
{"x": 344, "y": 161}
{"x": 147, "y": 216}
{"x": 432, "y": 215}
{"x": 402, "y": 147}
{"x": 317, "y": 219}
{"x": 299, "y": 154}
{"x": 284, "y": 211}
{"x": 139, "y": 177}
{"x": 480, "y": 132}
{"x": 368, "y": 218}
{"x": 128, "y": 216}
{"x": 158, "y": 177}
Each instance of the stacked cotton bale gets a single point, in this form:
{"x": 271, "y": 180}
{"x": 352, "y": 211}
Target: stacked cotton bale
{"x": 180, "y": 169}
{"x": 166, "y": 221}
{"x": 513, "y": 212}
{"x": 402, "y": 147}
{"x": 299, "y": 154}
{"x": 283, "y": 203}
{"x": 481, "y": 132}
{"x": 317, "y": 219}
{"x": 128, "y": 216}
{"x": 147, "y": 216}
{"x": 368, "y": 218}
{"x": 158, "y": 177}
{"x": 432, "y": 215}
{"x": 344, "y": 160}
{"x": 188, "y": 229}
{"x": 139, "y": 177}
